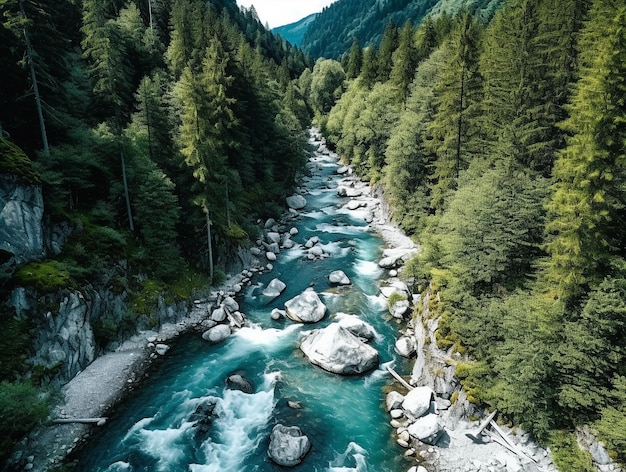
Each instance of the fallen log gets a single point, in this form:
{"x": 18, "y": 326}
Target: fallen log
{"x": 511, "y": 444}
{"x": 475, "y": 436}
{"x": 96, "y": 421}
{"x": 399, "y": 379}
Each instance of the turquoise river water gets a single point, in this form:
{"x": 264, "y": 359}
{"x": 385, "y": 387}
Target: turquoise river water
{"x": 344, "y": 417}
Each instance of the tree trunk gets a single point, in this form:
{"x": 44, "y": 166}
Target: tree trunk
{"x": 33, "y": 77}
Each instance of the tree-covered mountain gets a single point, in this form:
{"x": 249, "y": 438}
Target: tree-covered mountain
{"x": 294, "y": 32}
{"x": 499, "y": 144}
{"x": 332, "y": 31}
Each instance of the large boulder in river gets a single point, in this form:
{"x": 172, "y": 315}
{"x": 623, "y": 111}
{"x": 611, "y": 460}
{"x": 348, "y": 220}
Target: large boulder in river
{"x": 296, "y": 202}
{"x": 288, "y": 445}
{"x": 356, "y": 326}
{"x": 305, "y": 308}
{"x": 217, "y": 334}
{"x": 337, "y": 350}
{"x": 274, "y": 289}
{"x": 338, "y": 277}
{"x": 406, "y": 346}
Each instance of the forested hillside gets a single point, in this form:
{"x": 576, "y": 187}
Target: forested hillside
{"x": 294, "y": 32}
{"x": 338, "y": 25}
{"x": 144, "y": 122}
{"x": 501, "y": 147}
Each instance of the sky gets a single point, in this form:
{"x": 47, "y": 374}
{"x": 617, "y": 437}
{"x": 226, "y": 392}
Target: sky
{"x": 282, "y": 12}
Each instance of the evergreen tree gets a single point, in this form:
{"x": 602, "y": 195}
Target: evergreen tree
{"x": 404, "y": 61}
{"x": 355, "y": 60}
{"x": 588, "y": 198}
{"x": 408, "y": 160}
{"x": 388, "y": 45}
{"x": 457, "y": 98}
{"x": 327, "y": 83}
{"x": 369, "y": 71}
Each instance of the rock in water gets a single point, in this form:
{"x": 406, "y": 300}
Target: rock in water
{"x": 237, "y": 382}
{"x": 356, "y": 326}
{"x": 217, "y": 334}
{"x": 274, "y": 289}
{"x": 337, "y": 350}
{"x": 406, "y": 346}
{"x": 297, "y": 202}
{"x": 288, "y": 445}
{"x": 338, "y": 277}
{"x": 305, "y": 308}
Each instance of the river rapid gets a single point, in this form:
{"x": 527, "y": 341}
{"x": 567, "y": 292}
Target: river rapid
{"x": 344, "y": 417}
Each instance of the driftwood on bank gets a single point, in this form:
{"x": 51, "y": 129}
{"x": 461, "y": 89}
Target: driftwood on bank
{"x": 475, "y": 435}
{"x": 96, "y": 421}
{"x": 399, "y": 379}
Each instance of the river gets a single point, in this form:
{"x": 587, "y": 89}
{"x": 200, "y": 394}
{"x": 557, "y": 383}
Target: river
{"x": 344, "y": 417}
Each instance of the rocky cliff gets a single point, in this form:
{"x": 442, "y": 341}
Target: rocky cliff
{"x": 21, "y": 214}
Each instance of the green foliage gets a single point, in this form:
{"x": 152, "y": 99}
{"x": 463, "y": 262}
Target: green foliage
{"x": 14, "y": 162}
{"x": 327, "y": 84}
{"x": 613, "y": 421}
{"x": 394, "y": 298}
{"x": 566, "y": 454}
{"x": 14, "y": 344}
{"x": 46, "y": 277}
{"x": 21, "y": 408}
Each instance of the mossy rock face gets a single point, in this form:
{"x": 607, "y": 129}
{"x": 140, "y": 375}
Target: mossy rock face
{"x": 45, "y": 277}
{"x": 13, "y": 161}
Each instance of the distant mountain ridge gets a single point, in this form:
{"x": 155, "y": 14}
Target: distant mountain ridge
{"x": 294, "y": 32}
{"x": 330, "y": 33}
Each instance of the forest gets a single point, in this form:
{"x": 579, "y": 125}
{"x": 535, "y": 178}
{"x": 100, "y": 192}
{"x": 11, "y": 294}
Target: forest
{"x": 161, "y": 132}
{"x": 501, "y": 147}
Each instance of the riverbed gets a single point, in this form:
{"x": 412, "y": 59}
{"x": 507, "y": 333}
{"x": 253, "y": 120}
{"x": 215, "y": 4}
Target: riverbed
{"x": 344, "y": 417}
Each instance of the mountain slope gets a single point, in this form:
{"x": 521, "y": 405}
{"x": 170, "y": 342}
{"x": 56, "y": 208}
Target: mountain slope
{"x": 294, "y": 32}
{"x": 332, "y": 31}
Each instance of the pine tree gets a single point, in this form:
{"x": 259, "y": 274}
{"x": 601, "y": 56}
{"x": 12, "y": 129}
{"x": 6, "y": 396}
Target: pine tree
{"x": 588, "y": 200}
{"x": 407, "y": 157}
{"x": 404, "y": 61}
{"x": 369, "y": 71}
{"x": 355, "y": 60}
{"x": 457, "y": 97}
{"x": 388, "y": 44}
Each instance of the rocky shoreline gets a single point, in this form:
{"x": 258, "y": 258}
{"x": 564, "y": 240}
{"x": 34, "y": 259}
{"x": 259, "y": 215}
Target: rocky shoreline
{"x": 100, "y": 386}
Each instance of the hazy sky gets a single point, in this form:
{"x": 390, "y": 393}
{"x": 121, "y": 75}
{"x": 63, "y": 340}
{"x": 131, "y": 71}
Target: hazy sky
{"x": 283, "y": 12}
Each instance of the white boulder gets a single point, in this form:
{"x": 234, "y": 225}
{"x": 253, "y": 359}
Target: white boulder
{"x": 305, "y": 308}
{"x": 427, "y": 429}
{"x": 296, "y": 202}
{"x": 338, "y": 277}
{"x": 417, "y": 402}
{"x": 288, "y": 445}
{"x": 406, "y": 346}
{"x": 337, "y": 350}
{"x": 217, "y": 334}
{"x": 356, "y": 326}
{"x": 274, "y": 289}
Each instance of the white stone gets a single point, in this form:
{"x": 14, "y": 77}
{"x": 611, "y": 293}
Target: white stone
{"x": 417, "y": 402}
{"x": 338, "y": 277}
{"x": 274, "y": 288}
{"x": 337, "y": 350}
{"x": 296, "y": 202}
{"x": 161, "y": 349}
{"x": 394, "y": 400}
{"x": 270, "y": 256}
{"x": 288, "y": 445}
{"x": 305, "y": 308}
{"x": 427, "y": 429}
{"x": 217, "y": 333}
